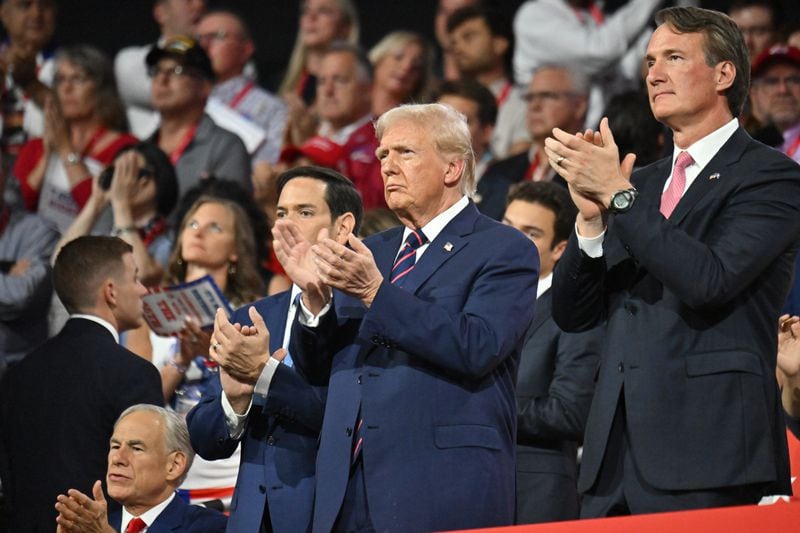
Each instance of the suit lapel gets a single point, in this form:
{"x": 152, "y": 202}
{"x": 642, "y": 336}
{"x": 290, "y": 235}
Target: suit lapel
{"x": 544, "y": 310}
{"x": 276, "y": 319}
{"x": 170, "y": 518}
{"x": 712, "y": 175}
{"x": 449, "y": 243}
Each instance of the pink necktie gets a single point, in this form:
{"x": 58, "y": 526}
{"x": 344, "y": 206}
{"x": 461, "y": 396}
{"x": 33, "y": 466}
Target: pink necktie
{"x": 135, "y": 526}
{"x": 671, "y": 197}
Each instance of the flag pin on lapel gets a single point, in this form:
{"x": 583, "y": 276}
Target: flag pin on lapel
{"x": 714, "y": 176}
{"x": 448, "y": 247}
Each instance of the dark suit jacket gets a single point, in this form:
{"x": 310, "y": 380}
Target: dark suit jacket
{"x": 180, "y": 517}
{"x": 554, "y": 391}
{"x": 279, "y": 445}
{"x": 432, "y": 366}
{"x": 58, "y": 408}
{"x": 692, "y": 305}
{"x": 493, "y": 186}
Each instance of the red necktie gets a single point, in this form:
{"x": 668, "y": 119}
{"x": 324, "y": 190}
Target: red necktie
{"x": 135, "y": 526}
{"x": 407, "y": 258}
{"x": 671, "y": 197}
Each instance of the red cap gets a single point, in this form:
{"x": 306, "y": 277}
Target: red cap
{"x": 779, "y": 53}
{"x": 321, "y": 150}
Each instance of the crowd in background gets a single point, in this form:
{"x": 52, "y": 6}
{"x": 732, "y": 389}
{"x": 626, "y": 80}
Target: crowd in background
{"x": 175, "y": 146}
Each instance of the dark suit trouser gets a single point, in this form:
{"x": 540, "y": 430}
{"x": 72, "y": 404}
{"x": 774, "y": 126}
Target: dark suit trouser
{"x": 621, "y": 490}
{"x": 354, "y": 514}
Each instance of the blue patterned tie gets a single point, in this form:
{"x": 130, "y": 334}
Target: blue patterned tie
{"x": 407, "y": 258}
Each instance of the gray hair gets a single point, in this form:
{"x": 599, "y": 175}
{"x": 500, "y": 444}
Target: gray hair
{"x": 363, "y": 65}
{"x": 98, "y": 68}
{"x": 176, "y": 434}
{"x": 448, "y": 128}
{"x": 578, "y": 80}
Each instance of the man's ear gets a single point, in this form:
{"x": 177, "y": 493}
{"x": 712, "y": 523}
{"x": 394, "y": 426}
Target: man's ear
{"x": 499, "y": 45}
{"x": 725, "y": 75}
{"x": 558, "y": 250}
{"x": 454, "y": 172}
{"x": 109, "y": 289}
{"x": 345, "y": 224}
{"x": 176, "y": 465}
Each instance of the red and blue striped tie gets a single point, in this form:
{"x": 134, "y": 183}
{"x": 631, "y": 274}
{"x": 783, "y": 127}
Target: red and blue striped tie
{"x": 407, "y": 258}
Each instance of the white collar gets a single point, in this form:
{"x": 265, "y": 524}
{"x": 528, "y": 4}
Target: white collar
{"x": 148, "y": 516}
{"x": 106, "y": 324}
{"x": 433, "y": 228}
{"x": 705, "y": 149}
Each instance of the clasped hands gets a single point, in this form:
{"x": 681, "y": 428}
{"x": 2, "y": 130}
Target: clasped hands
{"x": 589, "y": 163}
{"x": 316, "y": 268}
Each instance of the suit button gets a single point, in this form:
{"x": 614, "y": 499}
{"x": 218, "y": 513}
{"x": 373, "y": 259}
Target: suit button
{"x": 262, "y": 489}
{"x": 621, "y": 367}
{"x": 359, "y": 380}
{"x": 348, "y": 431}
{"x": 376, "y": 339}
{"x": 271, "y": 440}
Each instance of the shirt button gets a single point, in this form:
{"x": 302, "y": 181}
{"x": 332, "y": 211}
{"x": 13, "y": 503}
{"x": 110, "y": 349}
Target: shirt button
{"x": 621, "y": 367}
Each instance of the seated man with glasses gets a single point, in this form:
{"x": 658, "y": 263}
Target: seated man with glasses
{"x": 182, "y": 79}
{"x": 557, "y": 97}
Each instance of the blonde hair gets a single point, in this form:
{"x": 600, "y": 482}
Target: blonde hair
{"x": 395, "y": 41}
{"x": 297, "y": 61}
{"x": 448, "y": 128}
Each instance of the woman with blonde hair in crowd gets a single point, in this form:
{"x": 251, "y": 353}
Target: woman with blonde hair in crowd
{"x": 403, "y": 71}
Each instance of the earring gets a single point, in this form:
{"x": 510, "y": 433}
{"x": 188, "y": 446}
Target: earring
{"x": 232, "y": 269}
{"x": 180, "y": 261}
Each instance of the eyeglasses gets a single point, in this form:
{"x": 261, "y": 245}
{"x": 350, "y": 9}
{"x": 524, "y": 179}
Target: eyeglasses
{"x": 219, "y": 36}
{"x": 169, "y": 72}
{"x": 773, "y": 82}
{"x": 546, "y": 96}
{"x": 75, "y": 79}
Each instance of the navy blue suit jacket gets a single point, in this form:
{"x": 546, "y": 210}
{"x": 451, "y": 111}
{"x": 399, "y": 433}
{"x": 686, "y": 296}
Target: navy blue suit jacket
{"x": 692, "y": 305}
{"x": 432, "y": 367}
{"x": 554, "y": 391}
{"x": 180, "y": 517}
{"x": 279, "y": 444}
{"x": 69, "y": 391}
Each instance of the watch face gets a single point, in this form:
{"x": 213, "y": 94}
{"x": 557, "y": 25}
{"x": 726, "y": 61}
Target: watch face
{"x": 621, "y": 201}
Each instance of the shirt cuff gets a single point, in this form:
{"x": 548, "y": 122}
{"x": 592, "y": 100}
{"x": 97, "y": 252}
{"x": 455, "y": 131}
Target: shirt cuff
{"x": 307, "y": 318}
{"x": 264, "y": 380}
{"x": 234, "y": 420}
{"x": 593, "y": 247}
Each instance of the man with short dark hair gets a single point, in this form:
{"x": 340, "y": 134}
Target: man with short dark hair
{"x": 182, "y": 79}
{"x": 276, "y": 414}
{"x": 555, "y": 380}
{"x": 149, "y": 457}
{"x": 688, "y": 261}
{"x": 74, "y": 386}
{"x": 478, "y": 104}
{"x": 756, "y": 19}
{"x": 482, "y": 44}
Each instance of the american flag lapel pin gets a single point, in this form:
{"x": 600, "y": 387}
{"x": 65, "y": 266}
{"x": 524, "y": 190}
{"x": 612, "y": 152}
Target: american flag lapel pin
{"x": 448, "y": 246}
{"x": 714, "y": 176}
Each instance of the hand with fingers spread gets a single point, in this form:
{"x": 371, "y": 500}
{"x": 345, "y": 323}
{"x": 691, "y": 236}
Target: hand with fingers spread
{"x": 352, "y": 271}
{"x": 78, "y": 513}
{"x": 241, "y": 352}
{"x": 294, "y": 253}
